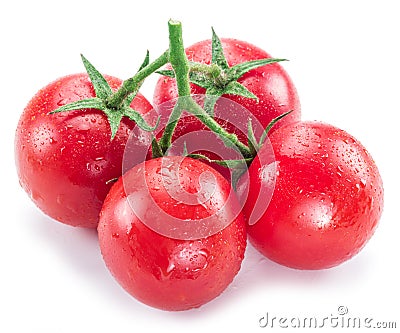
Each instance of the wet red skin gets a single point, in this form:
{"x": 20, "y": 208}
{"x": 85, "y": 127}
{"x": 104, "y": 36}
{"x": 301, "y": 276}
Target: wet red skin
{"x": 327, "y": 201}
{"x": 166, "y": 273}
{"x": 271, "y": 84}
{"x": 64, "y": 160}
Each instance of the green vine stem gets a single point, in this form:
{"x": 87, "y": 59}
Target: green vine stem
{"x": 131, "y": 85}
{"x": 181, "y": 67}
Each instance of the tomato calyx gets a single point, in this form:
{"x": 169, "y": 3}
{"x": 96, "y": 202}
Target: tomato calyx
{"x": 181, "y": 69}
{"x": 218, "y": 78}
{"x": 114, "y": 105}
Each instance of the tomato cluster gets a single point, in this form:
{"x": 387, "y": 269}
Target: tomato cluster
{"x": 173, "y": 221}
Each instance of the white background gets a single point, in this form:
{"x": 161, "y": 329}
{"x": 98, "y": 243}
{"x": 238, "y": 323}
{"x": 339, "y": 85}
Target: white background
{"x": 344, "y": 59}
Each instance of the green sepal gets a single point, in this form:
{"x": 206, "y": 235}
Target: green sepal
{"x": 114, "y": 119}
{"x": 89, "y": 103}
{"x": 251, "y": 138}
{"x": 201, "y": 79}
{"x": 235, "y": 88}
{"x": 234, "y": 164}
{"x": 237, "y": 71}
{"x": 198, "y": 78}
{"x": 130, "y": 98}
{"x": 146, "y": 61}
{"x": 217, "y": 52}
{"x": 268, "y": 128}
{"x": 100, "y": 85}
{"x": 230, "y": 164}
{"x": 156, "y": 150}
{"x": 138, "y": 119}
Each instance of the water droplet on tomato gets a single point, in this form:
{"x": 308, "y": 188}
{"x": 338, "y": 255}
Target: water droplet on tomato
{"x": 83, "y": 127}
{"x": 204, "y": 253}
{"x": 170, "y": 268}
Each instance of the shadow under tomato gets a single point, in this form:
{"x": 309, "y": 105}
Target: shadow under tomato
{"x": 79, "y": 248}
{"x": 258, "y": 275}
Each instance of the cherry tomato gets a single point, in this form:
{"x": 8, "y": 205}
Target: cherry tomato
{"x": 327, "y": 200}
{"x": 66, "y": 160}
{"x": 270, "y": 83}
{"x": 171, "y": 233}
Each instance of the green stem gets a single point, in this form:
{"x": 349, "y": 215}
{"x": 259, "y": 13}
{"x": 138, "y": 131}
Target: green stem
{"x": 206, "y": 119}
{"x": 180, "y": 65}
{"x": 130, "y": 86}
{"x": 178, "y": 59}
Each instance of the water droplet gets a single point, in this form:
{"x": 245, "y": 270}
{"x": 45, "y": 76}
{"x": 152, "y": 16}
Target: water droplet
{"x": 204, "y": 253}
{"x": 83, "y": 127}
{"x": 115, "y": 235}
{"x": 170, "y": 268}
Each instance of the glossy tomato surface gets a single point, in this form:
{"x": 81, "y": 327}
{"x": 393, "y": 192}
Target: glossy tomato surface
{"x": 270, "y": 83}
{"x": 168, "y": 268}
{"x": 66, "y": 160}
{"x": 327, "y": 200}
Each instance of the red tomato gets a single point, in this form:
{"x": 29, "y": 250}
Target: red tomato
{"x": 327, "y": 201}
{"x": 65, "y": 160}
{"x": 150, "y": 233}
{"x": 270, "y": 83}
